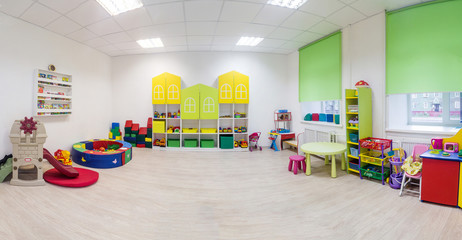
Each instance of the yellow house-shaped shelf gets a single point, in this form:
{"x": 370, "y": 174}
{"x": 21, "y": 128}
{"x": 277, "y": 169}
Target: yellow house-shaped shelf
{"x": 233, "y": 87}
{"x": 166, "y": 89}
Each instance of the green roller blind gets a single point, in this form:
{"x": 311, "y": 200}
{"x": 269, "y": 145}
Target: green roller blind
{"x": 424, "y": 48}
{"x": 320, "y": 70}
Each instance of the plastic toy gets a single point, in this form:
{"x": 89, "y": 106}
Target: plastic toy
{"x": 253, "y": 140}
{"x": 396, "y": 161}
{"x": 6, "y": 166}
{"x": 169, "y": 115}
{"x": 236, "y": 129}
{"x": 63, "y": 156}
{"x": 437, "y": 143}
{"x": 237, "y": 115}
{"x": 451, "y": 147}
{"x": 25, "y": 135}
{"x": 156, "y": 114}
{"x": 362, "y": 83}
{"x": 353, "y": 122}
{"x": 243, "y": 143}
{"x": 236, "y": 144}
{"x": 273, "y": 136}
{"x": 162, "y": 142}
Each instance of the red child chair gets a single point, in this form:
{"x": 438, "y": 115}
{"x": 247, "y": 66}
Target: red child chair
{"x": 296, "y": 161}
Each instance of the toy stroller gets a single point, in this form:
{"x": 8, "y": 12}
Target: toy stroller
{"x": 253, "y": 140}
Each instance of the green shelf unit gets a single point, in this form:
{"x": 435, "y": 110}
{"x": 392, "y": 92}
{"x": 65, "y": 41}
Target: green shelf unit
{"x": 363, "y": 99}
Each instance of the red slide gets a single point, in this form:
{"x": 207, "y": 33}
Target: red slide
{"x": 67, "y": 170}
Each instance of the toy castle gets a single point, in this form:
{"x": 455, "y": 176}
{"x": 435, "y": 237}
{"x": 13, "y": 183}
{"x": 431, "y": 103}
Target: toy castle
{"x": 27, "y": 137}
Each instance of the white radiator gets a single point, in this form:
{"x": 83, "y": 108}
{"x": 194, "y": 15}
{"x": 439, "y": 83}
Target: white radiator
{"x": 408, "y": 143}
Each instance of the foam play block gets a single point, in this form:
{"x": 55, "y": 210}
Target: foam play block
{"x": 128, "y": 123}
{"x": 315, "y": 116}
{"x": 329, "y": 117}
{"x": 133, "y": 135}
{"x": 148, "y": 139}
{"x": 115, "y": 125}
{"x": 135, "y": 127}
{"x": 140, "y": 138}
{"x": 148, "y": 144}
{"x": 149, "y": 125}
{"x": 149, "y": 132}
{"x": 143, "y": 131}
{"x": 140, "y": 145}
{"x": 118, "y": 138}
{"x": 128, "y": 130}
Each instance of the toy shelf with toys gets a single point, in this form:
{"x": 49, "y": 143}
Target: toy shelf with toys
{"x": 53, "y": 93}
{"x": 373, "y": 160}
{"x": 358, "y": 109}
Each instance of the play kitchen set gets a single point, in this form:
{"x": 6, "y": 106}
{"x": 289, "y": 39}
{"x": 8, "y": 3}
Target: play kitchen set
{"x": 441, "y": 172}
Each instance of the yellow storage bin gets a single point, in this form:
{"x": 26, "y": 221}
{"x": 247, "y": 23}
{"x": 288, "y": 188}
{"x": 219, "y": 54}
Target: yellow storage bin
{"x": 158, "y": 126}
{"x": 208, "y": 130}
{"x": 189, "y": 130}
{"x": 373, "y": 158}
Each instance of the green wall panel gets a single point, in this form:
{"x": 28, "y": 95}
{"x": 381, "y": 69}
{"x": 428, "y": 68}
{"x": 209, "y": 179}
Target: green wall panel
{"x": 424, "y": 48}
{"x": 320, "y": 70}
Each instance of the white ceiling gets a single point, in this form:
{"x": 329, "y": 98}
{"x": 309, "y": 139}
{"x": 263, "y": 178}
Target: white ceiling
{"x": 196, "y": 25}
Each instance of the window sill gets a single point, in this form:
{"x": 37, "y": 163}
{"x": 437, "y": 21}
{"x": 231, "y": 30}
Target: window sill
{"x": 322, "y": 123}
{"x": 417, "y": 129}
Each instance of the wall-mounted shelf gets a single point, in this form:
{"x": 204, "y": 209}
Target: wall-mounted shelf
{"x": 53, "y": 93}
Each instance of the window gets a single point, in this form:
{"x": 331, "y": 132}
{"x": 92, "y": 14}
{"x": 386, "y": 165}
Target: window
{"x": 241, "y": 92}
{"x": 158, "y": 92}
{"x": 189, "y": 105}
{"x": 209, "y": 105}
{"x": 173, "y": 92}
{"x": 226, "y": 91}
{"x": 330, "y": 107}
{"x": 441, "y": 109}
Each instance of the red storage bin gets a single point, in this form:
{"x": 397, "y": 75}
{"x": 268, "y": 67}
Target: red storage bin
{"x": 375, "y": 143}
{"x": 315, "y": 117}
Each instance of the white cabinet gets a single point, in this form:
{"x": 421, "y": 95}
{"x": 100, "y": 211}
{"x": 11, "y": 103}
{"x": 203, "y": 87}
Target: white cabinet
{"x": 53, "y": 93}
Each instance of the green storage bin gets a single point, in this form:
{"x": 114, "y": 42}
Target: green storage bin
{"x": 226, "y": 142}
{"x": 207, "y": 143}
{"x": 173, "y": 142}
{"x": 190, "y": 143}
{"x": 375, "y": 172}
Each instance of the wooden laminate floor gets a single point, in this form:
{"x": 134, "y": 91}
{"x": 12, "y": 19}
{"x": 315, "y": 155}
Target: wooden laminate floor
{"x": 221, "y": 195}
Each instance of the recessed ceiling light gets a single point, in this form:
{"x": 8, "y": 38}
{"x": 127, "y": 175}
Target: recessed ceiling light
{"x": 287, "y": 3}
{"x": 115, "y": 7}
{"x": 249, "y": 41}
{"x": 150, "y": 43}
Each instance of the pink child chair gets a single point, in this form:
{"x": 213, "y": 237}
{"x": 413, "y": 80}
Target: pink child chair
{"x": 296, "y": 161}
{"x": 416, "y": 152}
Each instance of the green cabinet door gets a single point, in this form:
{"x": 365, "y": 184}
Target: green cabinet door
{"x": 190, "y": 102}
{"x": 208, "y": 102}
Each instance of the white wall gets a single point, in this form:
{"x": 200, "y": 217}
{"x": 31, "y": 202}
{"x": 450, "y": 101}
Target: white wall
{"x": 24, "y": 48}
{"x": 268, "y": 82}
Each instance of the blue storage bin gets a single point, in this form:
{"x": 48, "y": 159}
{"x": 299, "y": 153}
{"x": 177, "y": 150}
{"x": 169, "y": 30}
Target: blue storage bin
{"x": 322, "y": 117}
{"x": 329, "y": 117}
{"x": 354, "y": 164}
{"x": 353, "y": 137}
{"x": 283, "y": 111}
{"x": 354, "y": 152}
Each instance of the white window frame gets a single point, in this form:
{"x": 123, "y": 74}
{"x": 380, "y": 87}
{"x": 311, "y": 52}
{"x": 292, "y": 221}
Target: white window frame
{"x": 173, "y": 90}
{"x": 240, "y": 92}
{"x": 226, "y": 91}
{"x": 158, "y": 95}
{"x": 188, "y": 104}
{"x": 209, "y": 105}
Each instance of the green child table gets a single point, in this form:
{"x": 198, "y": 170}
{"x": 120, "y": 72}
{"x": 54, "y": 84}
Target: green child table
{"x": 326, "y": 149}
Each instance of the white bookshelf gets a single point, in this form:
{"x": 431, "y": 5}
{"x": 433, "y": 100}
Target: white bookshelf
{"x": 224, "y": 109}
{"x": 52, "y": 93}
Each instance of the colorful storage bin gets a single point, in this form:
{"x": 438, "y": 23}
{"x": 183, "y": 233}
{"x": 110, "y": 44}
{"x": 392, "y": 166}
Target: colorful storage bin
{"x": 173, "y": 142}
{"x": 207, "y": 143}
{"x": 208, "y": 130}
{"x": 190, "y": 143}
{"x": 354, "y": 164}
{"x": 308, "y": 117}
{"x": 322, "y": 117}
{"x": 226, "y": 142}
{"x": 158, "y": 127}
{"x": 375, "y": 172}
{"x": 353, "y": 152}
{"x": 353, "y": 137}
{"x": 189, "y": 130}
{"x": 329, "y": 117}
